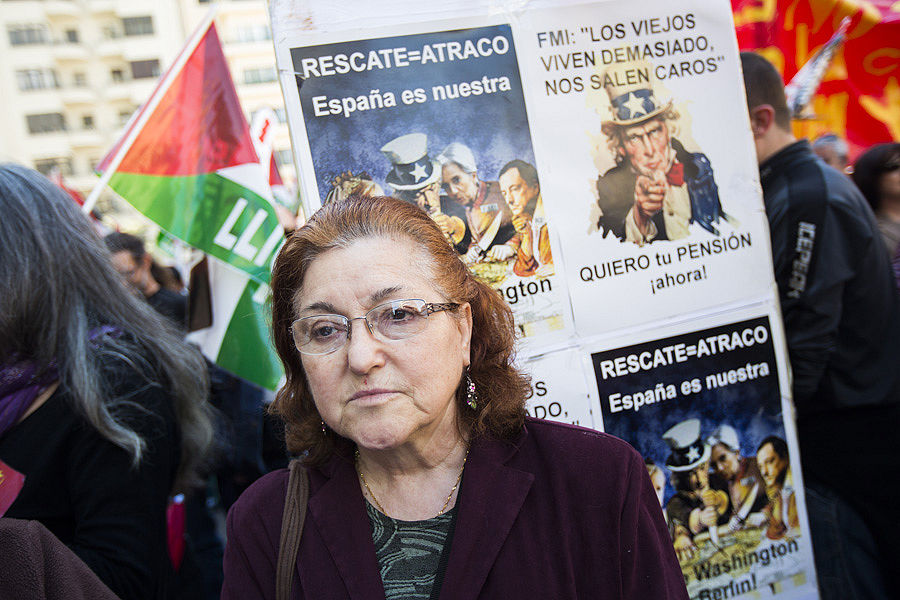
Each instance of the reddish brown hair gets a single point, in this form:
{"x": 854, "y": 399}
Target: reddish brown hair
{"x": 502, "y": 389}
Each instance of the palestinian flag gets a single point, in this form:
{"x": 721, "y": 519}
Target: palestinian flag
{"x": 188, "y": 163}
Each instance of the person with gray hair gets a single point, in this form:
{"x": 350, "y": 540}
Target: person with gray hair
{"x": 103, "y": 409}
{"x": 746, "y": 488}
{"x": 489, "y": 216}
{"x": 833, "y": 150}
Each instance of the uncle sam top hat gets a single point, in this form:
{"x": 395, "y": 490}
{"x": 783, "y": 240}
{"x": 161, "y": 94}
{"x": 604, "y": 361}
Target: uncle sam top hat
{"x": 688, "y": 451}
{"x": 632, "y": 98}
{"x": 412, "y": 168}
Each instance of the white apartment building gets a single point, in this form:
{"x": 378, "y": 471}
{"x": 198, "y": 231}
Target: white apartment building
{"x": 73, "y": 71}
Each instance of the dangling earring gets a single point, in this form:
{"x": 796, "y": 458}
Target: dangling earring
{"x": 324, "y": 431}
{"x": 471, "y": 395}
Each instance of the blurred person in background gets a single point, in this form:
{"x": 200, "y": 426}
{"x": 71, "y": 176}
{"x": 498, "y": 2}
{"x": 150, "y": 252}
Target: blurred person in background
{"x": 136, "y": 266}
{"x": 168, "y": 277}
{"x": 833, "y": 150}
{"x": 239, "y": 432}
{"x": 102, "y": 406}
{"x": 877, "y": 175}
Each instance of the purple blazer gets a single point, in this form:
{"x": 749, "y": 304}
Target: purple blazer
{"x": 561, "y": 512}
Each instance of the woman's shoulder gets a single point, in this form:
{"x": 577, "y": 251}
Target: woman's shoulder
{"x": 262, "y": 500}
{"x": 578, "y": 450}
{"x": 577, "y": 438}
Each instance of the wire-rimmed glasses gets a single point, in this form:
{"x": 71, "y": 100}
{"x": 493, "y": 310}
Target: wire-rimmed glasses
{"x": 316, "y": 335}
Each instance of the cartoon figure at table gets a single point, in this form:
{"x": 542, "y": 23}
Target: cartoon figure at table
{"x": 701, "y": 501}
{"x": 775, "y": 466}
{"x": 416, "y": 178}
{"x": 488, "y": 216}
{"x": 521, "y": 189}
{"x": 746, "y": 488}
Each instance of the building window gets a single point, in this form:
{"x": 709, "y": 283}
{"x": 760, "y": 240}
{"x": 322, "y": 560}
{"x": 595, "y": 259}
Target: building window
{"x": 124, "y": 115}
{"x": 137, "y": 25}
{"x": 23, "y": 35}
{"x": 87, "y": 121}
{"x": 284, "y": 157}
{"x": 263, "y": 75}
{"x": 253, "y": 33}
{"x": 118, "y": 76}
{"x": 142, "y": 69}
{"x": 36, "y": 79}
{"x": 80, "y": 80}
{"x": 72, "y": 36}
{"x": 46, "y": 122}
{"x": 48, "y": 165}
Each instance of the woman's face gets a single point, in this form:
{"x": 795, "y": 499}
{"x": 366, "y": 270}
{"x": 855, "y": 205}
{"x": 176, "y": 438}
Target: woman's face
{"x": 381, "y": 393}
{"x": 461, "y": 186}
{"x": 889, "y": 181}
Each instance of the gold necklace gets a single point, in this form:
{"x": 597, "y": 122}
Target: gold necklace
{"x": 381, "y": 508}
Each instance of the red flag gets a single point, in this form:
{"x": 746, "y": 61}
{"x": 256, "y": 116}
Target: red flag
{"x": 57, "y": 178}
{"x": 198, "y": 106}
{"x": 859, "y": 96}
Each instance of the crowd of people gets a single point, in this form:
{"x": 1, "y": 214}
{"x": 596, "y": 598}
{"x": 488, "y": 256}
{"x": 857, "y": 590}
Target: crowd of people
{"x": 419, "y": 473}
{"x": 839, "y": 306}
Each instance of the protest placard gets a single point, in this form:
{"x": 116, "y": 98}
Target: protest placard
{"x": 559, "y": 391}
{"x": 705, "y": 409}
{"x": 437, "y": 118}
{"x": 650, "y": 198}
{"x": 607, "y": 146}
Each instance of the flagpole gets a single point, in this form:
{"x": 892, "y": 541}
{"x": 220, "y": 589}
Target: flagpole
{"x": 147, "y": 111}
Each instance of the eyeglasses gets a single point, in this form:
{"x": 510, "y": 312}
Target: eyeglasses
{"x": 396, "y": 320}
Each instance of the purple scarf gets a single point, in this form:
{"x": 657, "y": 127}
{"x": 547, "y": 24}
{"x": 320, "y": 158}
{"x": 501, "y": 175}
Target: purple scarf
{"x": 20, "y": 384}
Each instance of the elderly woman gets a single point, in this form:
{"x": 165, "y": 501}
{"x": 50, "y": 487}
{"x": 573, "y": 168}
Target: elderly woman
{"x": 102, "y": 406}
{"x": 426, "y": 478}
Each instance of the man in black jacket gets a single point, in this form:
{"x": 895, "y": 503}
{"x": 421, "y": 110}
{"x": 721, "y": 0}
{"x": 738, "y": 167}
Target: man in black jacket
{"x": 841, "y": 319}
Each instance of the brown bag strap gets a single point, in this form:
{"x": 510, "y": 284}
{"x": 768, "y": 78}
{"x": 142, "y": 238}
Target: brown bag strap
{"x": 295, "y": 501}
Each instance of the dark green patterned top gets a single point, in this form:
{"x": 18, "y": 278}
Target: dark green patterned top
{"x": 409, "y": 553}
